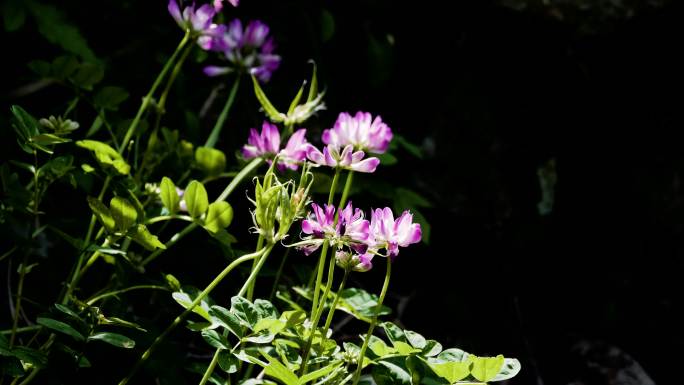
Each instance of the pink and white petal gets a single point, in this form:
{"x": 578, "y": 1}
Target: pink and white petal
{"x": 367, "y": 165}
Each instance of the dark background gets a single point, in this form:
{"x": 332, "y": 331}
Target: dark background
{"x": 491, "y": 91}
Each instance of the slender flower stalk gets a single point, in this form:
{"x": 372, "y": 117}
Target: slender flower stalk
{"x": 331, "y": 312}
{"x": 374, "y": 321}
{"x": 216, "y": 131}
{"x": 146, "y": 100}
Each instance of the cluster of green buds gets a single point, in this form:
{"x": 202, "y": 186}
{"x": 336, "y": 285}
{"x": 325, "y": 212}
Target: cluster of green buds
{"x": 278, "y": 205}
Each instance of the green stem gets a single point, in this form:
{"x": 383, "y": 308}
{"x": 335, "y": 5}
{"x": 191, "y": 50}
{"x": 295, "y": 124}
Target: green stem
{"x": 174, "y": 239}
{"x": 331, "y": 312}
{"x": 245, "y": 287}
{"x": 250, "y": 288}
{"x": 324, "y": 250}
{"x": 374, "y": 321}
{"x": 214, "y": 135}
{"x": 189, "y": 309}
{"x": 17, "y": 305}
{"x": 146, "y": 100}
{"x": 117, "y": 292}
{"x": 251, "y": 166}
{"x": 279, "y": 273}
{"x": 21, "y": 330}
{"x": 163, "y": 218}
{"x": 345, "y": 192}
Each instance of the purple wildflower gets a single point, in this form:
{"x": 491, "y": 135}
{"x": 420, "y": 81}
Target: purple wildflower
{"x": 354, "y": 262}
{"x": 196, "y": 20}
{"x": 390, "y": 233}
{"x": 360, "y": 131}
{"x": 249, "y": 49}
{"x": 267, "y": 144}
{"x": 351, "y": 230}
{"x": 347, "y": 159}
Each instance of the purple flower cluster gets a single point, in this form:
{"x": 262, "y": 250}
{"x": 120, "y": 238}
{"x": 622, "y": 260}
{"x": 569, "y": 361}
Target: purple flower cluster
{"x": 248, "y": 49}
{"x": 357, "y": 240}
{"x": 266, "y": 144}
{"x": 343, "y": 150}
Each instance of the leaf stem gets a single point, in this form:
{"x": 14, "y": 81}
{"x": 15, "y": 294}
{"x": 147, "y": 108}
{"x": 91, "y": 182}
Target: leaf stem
{"x": 374, "y": 321}
{"x": 214, "y": 135}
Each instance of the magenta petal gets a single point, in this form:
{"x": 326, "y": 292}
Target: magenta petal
{"x": 329, "y": 160}
{"x": 175, "y": 12}
{"x": 315, "y": 155}
{"x": 234, "y": 3}
{"x": 415, "y": 234}
{"x": 307, "y": 227}
{"x": 216, "y": 71}
{"x": 366, "y": 165}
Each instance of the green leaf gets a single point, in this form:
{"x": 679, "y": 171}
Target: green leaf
{"x": 361, "y": 304}
{"x": 451, "y": 371}
{"x": 486, "y": 368}
{"x": 13, "y": 15}
{"x": 265, "y": 309}
{"x": 214, "y": 339}
{"x": 416, "y": 340}
{"x": 102, "y": 213}
{"x": 293, "y": 317}
{"x": 313, "y": 88}
{"x": 262, "y": 337}
{"x": 25, "y": 126}
{"x": 106, "y": 155}
{"x": 185, "y": 300}
{"x": 144, "y": 238}
{"x": 31, "y": 356}
{"x": 392, "y": 374}
{"x": 316, "y": 374}
{"x": 110, "y": 97}
{"x": 123, "y": 212}
{"x": 404, "y": 349}
{"x": 68, "y": 311}
{"x": 48, "y": 140}
{"x": 116, "y": 321}
{"x": 88, "y": 75}
{"x": 64, "y": 66}
{"x": 279, "y": 371}
{"x": 271, "y": 111}
{"x": 432, "y": 348}
{"x": 60, "y": 327}
{"x": 228, "y": 320}
{"x": 219, "y": 216}
{"x": 379, "y": 347}
{"x": 227, "y": 361}
{"x": 244, "y": 310}
{"x": 453, "y": 355}
{"x": 169, "y": 195}
{"x": 296, "y": 99}
{"x": 196, "y": 199}
{"x": 511, "y": 367}
{"x": 394, "y": 332}
{"x": 274, "y": 326}
{"x": 53, "y": 26}
{"x": 210, "y": 160}
{"x": 118, "y": 340}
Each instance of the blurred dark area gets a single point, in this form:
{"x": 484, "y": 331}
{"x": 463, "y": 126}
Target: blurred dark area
{"x": 553, "y": 157}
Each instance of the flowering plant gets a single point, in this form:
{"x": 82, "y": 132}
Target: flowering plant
{"x": 137, "y": 213}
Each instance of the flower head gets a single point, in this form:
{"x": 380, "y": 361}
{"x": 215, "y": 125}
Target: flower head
{"x": 267, "y": 144}
{"x": 390, "y": 234}
{"x": 249, "y": 49}
{"x": 361, "y": 131}
{"x": 196, "y": 20}
{"x": 218, "y": 4}
{"x": 347, "y": 159}
{"x": 351, "y": 229}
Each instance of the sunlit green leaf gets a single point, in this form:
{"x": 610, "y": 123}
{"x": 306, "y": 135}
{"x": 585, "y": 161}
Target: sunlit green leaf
{"x": 219, "y": 216}
{"x": 118, "y": 340}
{"x": 123, "y": 212}
{"x": 102, "y": 213}
{"x": 210, "y": 160}
{"x": 169, "y": 195}
{"x": 486, "y": 368}
{"x": 142, "y": 236}
{"x": 196, "y": 199}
